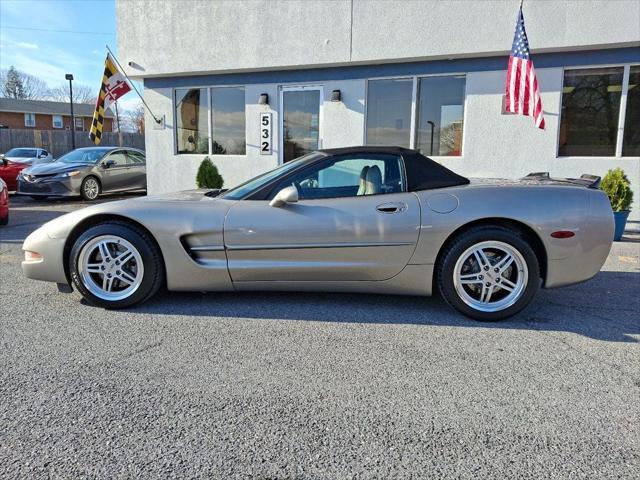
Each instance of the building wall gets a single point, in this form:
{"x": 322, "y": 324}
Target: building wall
{"x": 45, "y": 122}
{"x": 494, "y": 145}
{"x": 223, "y": 36}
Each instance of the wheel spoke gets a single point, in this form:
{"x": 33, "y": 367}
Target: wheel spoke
{"x": 94, "y": 268}
{"x": 485, "y": 295}
{"x": 107, "y": 283}
{"x": 127, "y": 277}
{"x": 104, "y": 250}
{"x": 504, "y": 263}
{"x": 507, "y": 284}
{"x": 481, "y": 257}
{"x": 124, "y": 257}
{"x": 470, "y": 279}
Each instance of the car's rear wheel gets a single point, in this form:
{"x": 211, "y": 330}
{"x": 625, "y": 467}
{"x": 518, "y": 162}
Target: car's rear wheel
{"x": 90, "y": 188}
{"x": 4, "y": 220}
{"x": 488, "y": 273}
{"x": 116, "y": 265}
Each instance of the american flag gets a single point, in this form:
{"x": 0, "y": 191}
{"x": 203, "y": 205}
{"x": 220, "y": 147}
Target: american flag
{"x": 523, "y": 94}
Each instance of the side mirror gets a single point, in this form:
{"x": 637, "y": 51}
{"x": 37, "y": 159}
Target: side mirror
{"x": 108, "y": 163}
{"x": 5, "y": 161}
{"x": 284, "y": 196}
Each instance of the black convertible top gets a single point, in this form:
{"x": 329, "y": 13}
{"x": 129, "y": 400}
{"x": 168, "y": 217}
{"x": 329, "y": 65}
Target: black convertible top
{"x": 423, "y": 173}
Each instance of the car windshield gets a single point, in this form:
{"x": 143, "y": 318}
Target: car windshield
{"x": 90, "y": 155}
{"x": 22, "y": 152}
{"x": 244, "y": 189}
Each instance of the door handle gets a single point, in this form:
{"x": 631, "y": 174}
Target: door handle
{"x": 395, "y": 207}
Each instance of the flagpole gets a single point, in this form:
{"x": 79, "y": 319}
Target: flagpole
{"x": 157, "y": 120}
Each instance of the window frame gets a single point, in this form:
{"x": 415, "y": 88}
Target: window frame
{"x": 621, "y": 114}
{"x": 415, "y": 92}
{"x": 53, "y": 121}
{"x": 28, "y": 115}
{"x": 208, "y": 89}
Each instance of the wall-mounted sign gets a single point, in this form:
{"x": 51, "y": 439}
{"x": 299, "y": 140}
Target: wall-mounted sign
{"x": 265, "y": 133}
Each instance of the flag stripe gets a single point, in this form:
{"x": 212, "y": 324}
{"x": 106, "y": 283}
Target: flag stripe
{"x": 522, "y": 92}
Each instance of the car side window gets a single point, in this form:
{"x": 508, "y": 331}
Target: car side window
{"x": 350, "y": 176}
{"x": 135, "y": 158}
{"x": 119, "y": 158}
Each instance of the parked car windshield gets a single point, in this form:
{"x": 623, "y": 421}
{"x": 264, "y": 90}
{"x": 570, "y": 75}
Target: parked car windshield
{"x": 246, "y": 188}
{"x": 84, "y": 156}
{"x": 22, "y": 152}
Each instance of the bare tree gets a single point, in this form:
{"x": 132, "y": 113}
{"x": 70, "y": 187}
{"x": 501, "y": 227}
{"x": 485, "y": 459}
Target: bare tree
{"x": 133, "y": 120}
{"x": 81, "y": 93}
{"x": 17, "y": 84}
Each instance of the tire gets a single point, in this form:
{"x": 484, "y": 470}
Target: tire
{"x": 132, "y": 282}
{"x": 90, "y": 188}
{"x": 5, "y": 220}
{"x": 475, "y": 288}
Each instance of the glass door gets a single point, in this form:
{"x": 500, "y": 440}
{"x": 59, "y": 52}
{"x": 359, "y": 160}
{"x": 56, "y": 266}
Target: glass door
{"x": 300, "y": 124}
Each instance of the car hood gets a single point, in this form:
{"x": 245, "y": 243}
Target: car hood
{"x": 55, "y": 167}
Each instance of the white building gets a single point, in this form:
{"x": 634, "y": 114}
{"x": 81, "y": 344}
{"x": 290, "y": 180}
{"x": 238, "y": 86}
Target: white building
{"x": 422, "y": 74}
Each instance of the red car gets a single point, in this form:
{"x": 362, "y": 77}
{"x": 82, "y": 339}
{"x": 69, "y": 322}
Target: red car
{"x": 4, "y": 203}
{"x": 17, "y": 159}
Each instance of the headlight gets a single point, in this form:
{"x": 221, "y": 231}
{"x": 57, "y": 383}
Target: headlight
{"x": 70, "y": 174}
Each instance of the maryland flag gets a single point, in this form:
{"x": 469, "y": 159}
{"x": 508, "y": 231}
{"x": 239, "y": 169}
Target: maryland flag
{"x": 114, "y": 85}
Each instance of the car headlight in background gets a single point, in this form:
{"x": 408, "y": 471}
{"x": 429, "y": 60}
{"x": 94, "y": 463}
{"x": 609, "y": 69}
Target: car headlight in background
{"x": 70, "y": 174}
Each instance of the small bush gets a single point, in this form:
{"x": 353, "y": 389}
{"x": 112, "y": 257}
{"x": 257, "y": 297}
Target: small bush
{"x": 617, "y": 186}
{"x": 208, "y": 176}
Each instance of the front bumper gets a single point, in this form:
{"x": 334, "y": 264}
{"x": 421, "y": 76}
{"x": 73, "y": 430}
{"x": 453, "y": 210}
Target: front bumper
{"x": 50, "y": 267}
{"x": 64, "y": 187}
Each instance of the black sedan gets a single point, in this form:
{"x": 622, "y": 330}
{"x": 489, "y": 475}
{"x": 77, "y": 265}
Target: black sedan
{"x": 87, "y": 172}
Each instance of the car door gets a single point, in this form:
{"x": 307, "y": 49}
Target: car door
{"x": 338, "y": 230}
{"x": 137, "y": 176}
{"x": 114, "y": 171}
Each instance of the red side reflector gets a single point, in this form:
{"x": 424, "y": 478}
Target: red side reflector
{"x": 563, "y": 234}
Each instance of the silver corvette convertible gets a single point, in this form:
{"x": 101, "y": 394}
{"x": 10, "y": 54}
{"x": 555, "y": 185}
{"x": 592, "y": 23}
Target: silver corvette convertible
{"x": 363, "y": 219}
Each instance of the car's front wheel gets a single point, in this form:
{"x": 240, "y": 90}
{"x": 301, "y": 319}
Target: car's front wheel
{"x": 90, "y": 188}
{"x": 488, "y": 273}
{"x": 116, "y": 265}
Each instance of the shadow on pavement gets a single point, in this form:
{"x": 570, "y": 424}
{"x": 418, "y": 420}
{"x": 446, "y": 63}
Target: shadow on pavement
{"x": 587, "y": 309}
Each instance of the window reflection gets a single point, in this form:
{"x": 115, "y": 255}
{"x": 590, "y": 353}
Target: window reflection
{"x": 228, "y": 121}
{"x": 191, "y": 121}
{"x": 389, "y": 112}
{"x": 590, "y": 108}
{"x": 440, "y": 115}
{"x": 301, "y": 121}
{"x": 631, "y": 139}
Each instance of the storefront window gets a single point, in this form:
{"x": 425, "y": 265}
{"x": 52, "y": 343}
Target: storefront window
{"x": 590, "y": 109}
{"x": 191, "y": 121}
{"x": 440, "y": 115}
{"x": 228, "y": 121}
{"x": 631, "y": 138}
{"x": 389, "y": 112}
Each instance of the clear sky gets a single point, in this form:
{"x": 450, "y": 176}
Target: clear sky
{"x": 49, "y": 38}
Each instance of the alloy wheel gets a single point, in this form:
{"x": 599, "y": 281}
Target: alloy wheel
{"x": 490, "y": 276}
{"x": 110, "y": 267}
{"x": 91, "y": 188}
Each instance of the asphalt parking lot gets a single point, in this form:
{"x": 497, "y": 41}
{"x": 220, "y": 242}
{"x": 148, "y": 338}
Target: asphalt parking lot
{"x": 279, "y": 386}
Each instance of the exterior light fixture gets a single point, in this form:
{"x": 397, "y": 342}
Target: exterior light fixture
{"x": 336, "y": 96}
{"x": 264, "y": 99}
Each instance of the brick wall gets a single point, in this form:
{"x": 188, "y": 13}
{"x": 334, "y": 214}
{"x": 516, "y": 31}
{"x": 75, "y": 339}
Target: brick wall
{"x": 45, "y": 122}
